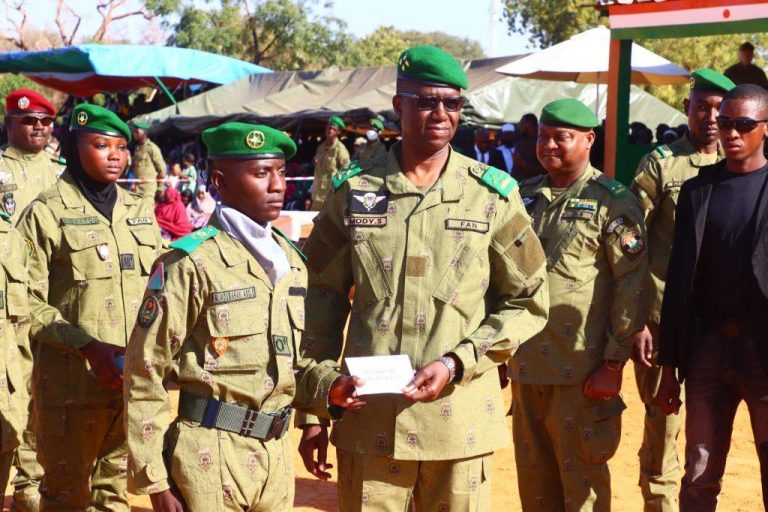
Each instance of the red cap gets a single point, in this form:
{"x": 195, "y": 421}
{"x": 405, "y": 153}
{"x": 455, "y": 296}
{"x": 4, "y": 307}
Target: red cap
{"x": 25, "y": 101}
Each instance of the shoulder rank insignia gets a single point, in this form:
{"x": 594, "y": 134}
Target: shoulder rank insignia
{"x": 192, "y": 241}
{"x": 59, "y": 160}
{"x": 345, "y": 173}
{"x": 614, "y": 187}
{"x": 5, "y": 217}
{"x": 285, "y": 237}
{"x": 664, "y": 151}
{"x": 157, "y": 279}
{"x": 499, "y": 181}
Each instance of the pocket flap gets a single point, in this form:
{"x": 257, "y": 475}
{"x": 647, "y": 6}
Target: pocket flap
{"x": 236, "y": 319}
{"x": 145, "y": 235}
{"x": 601, "y": 412}
{"x": 83, "y": 237}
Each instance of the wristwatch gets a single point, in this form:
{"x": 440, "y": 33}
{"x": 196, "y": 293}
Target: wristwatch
{"x": 451, "y": 365}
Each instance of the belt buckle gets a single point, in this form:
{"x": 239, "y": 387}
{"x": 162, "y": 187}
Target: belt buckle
{"x": 248, "y": 422}
{"x": 280, "y": 422}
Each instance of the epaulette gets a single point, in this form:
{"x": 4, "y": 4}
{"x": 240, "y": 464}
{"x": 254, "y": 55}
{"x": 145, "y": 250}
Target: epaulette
{"x": 5, "y": 217}
{"x": 59, "y": 160}
{"x": 614, "y": 187}
{"x": 496, "y": 179}
{"x": 664, "y": 151}
{"x": 343, "y": 174}
{"x": 279, "y": 232}
{"x": 193, "y": 240}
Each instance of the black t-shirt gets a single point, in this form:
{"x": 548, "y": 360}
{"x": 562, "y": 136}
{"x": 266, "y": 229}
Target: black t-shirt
{"x": 724, "y": 275}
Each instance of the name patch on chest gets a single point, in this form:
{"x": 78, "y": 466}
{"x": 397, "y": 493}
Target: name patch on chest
{"x": 233, "y": 295}
{"x": 365, "y": 222}
{"x": 138, "y": 221}
{"x": 578, "y": 214}
{"x": 467, "y": 225}
{"x": 368, "y": 202}
{"x": 79, "y": 221}
{"x": 8, "y": 187}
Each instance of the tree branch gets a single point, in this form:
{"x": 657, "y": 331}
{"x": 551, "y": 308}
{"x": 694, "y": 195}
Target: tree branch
{"x": 19, "y": 26}
{"x": 66, "y": 40}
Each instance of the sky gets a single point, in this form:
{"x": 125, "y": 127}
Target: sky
{"x": 474, "y": 19}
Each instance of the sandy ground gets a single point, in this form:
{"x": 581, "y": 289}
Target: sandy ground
{"x": 741, "y": 486}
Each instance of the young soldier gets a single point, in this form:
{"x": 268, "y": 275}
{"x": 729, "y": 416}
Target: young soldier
{"x": 566, "y": 417}
{"x": 148, "y": 161}
{"x": 331, "y": 156}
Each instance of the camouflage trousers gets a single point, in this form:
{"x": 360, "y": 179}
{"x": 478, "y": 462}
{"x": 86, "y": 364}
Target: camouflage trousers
{"x": 215, "y": 470}
{"x": 84, "y": 455}
{"x": 659, "y": 464}
{"x": 369, "y": 483}
{"x": 29, "y": 472}
{"x": 563, "y": 441}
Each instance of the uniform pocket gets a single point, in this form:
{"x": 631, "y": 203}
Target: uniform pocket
{"x": 91, "y": 254}
{"x": 600, "y": 430}
{"x": 17, "y": 301}
{"x": 371, "y": 281}
{"x": 148, "y": 245}
{"x": 196, "y": 467}
{"x": 236, "y": 340}
{"x": 452, "y": 289}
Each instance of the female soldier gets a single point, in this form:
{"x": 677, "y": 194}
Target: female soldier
{"x": 92, "y": 245}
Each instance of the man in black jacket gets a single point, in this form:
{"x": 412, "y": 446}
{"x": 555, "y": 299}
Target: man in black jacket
{"x": 713, "y": 332}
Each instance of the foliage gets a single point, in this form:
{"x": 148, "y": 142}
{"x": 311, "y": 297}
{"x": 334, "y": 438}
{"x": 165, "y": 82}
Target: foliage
{"x": 10, "y": 82}
{"x": 548, "y": 22}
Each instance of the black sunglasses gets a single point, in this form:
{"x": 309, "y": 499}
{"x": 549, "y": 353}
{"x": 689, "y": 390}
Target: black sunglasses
{"x": 740, "y": 124}
{"x": 452, "y": 104}
{"x": 33, "y": 120}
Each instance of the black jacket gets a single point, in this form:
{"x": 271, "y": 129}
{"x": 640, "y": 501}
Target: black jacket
{"x": 678, "y": 315}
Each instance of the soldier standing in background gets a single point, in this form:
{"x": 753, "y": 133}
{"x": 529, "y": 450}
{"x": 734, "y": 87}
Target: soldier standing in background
{"x": 331, "y": 156}
{"x": 148, "y": 162}
{"x": 374, "y": 148}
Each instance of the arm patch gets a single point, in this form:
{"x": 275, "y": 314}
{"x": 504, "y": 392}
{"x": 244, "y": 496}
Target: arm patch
{"x": 521, "y": 244}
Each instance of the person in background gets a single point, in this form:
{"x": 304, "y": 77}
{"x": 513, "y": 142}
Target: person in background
{"x": 744, "y": 71}
{"x": 186, "y": 198}
{"x": 201, "y": 208}
{"x": 358, "y": 148}
{"x": 661, "y": 128}
{"x": 484, "y": 152}
{"x": 374, "y": 148}
{"x": 526, "y": 163}
{"x": 669, "y": 136}
{"x": 507, "y": 139}
{"x": 171, "y": 215}
{"x": 148, "y": 162}
{"x": 189, "y": 173}
{"x": 331, "y": 156}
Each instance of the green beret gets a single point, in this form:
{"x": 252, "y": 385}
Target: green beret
{"x": 93, "y": 118}
{"x": 568, "y": 112}
{"x": 140, "y": 125}
{"x": 376, "y": 123}
{"x": 706, "y": 79}
{"x": 247, "y": 141}
{"x": 431, "y": 65}
{"x": 337, "y": 122}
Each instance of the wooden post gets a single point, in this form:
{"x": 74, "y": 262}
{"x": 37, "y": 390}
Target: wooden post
{"x": 617, "y": 112}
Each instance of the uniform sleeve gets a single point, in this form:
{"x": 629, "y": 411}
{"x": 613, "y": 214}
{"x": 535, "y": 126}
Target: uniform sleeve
{"x": 342, "y": 157}
{"x": 149, "y": 362}
{"x": 158, "y": 162}
{"x": 22, "y": 328}
{"x": 518, "y": 294}
{"x": 647, "y": 187}
{"x": 327, "y": 305}
{"x": 43, "y": 235}
{"x": 626, "y": 247}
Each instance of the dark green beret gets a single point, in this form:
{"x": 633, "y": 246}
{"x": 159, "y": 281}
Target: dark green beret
{"x": 431, "y": 65}
{"x": 93, "y": 118}
{"x": 376, "y": 123}
{"x": 247, "y": 141}
{"x": 337, "y": 122}
{"x": 568, "y": 112}
{"x": 139, "y": 124}
{"x": 706, "y": 79}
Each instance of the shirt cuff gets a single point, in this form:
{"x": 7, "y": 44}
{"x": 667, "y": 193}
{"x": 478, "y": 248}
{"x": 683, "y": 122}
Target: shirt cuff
{"x": 617, "y": 351}
{"x": 150, "y": 479}
{"x": 465, "y": 352}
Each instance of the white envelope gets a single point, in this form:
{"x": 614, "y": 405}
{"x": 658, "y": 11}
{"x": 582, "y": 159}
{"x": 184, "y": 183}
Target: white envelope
{"x": 381, "y": 374}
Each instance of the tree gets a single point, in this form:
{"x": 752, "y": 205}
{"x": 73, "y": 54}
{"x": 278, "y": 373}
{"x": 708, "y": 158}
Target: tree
{"x": 549, "y": 22}
{"x": 380, "y": 47}
{"x": 459, "y": 47}
{"x": 11, "y": 82}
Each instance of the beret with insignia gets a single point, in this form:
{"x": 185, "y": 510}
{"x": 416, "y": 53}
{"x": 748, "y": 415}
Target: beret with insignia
{"x": 568, "y": 112}
{"x": 93, "y": 118}
{"x": 247, "y": 141}
{"x": 432, "y": 65}
{"x": 706, "y": 79}
{"x": 139, "y": 124}
{"x": 27, "y": 101}
{"x": 337, "y": 122}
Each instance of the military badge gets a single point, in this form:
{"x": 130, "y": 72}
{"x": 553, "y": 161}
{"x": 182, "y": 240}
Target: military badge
{"x": 23, "y": 103}
{"x": 103, "y": 250}
{"x": 368, "y": 202}
{"x": 157, "y": 280}
{"x": 82, "y": 118}
{"x": 148, "y": 312}
{"x": 9, "y": 203}
{"x": 255, "y": 139}
{"x": 220, "y": 345}
{"x": 631, "y": 242}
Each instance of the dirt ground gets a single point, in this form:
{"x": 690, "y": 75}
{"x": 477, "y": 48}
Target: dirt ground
{"x": 741, "y": 486}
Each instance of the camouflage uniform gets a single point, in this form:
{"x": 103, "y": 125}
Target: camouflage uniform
{"x": 328, "y": 160}
{"x": 87, "y": 276}
{"x": 453, "y": 269}
{"x": 594, "y": 239}
{"x": 148, "y": 163}
{"x": 657, "y": 184}
{"x": 222, "y": 331}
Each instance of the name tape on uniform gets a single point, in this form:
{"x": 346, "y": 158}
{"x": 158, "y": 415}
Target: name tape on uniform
{"x": 138, "y": 221}
{"x": 233, "y": 295}
{"x": 467, "y": 225}
{"x": 79, "y": 221}
{"x": 366, "y": 222}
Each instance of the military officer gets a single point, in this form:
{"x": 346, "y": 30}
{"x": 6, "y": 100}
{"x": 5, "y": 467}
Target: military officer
{"x": 148, "y": 163}
{"x": 26, "y": 169}
{"x": 331, "y": 156}
{"x": 657, "y": 185}
{"x": 373, "y": 147}
{"x": 566, "y": 416}
{"x": 447, "y": 271}
{"x": 223, "y": 317}
{"x": 14, "y": 331}
{"x": 91, "y": 247}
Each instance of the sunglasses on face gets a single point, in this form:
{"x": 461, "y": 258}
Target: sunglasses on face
{"x": 740, "y": 124}
{"x": 424, "y": 103}
{"x": 33, "y": 120}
